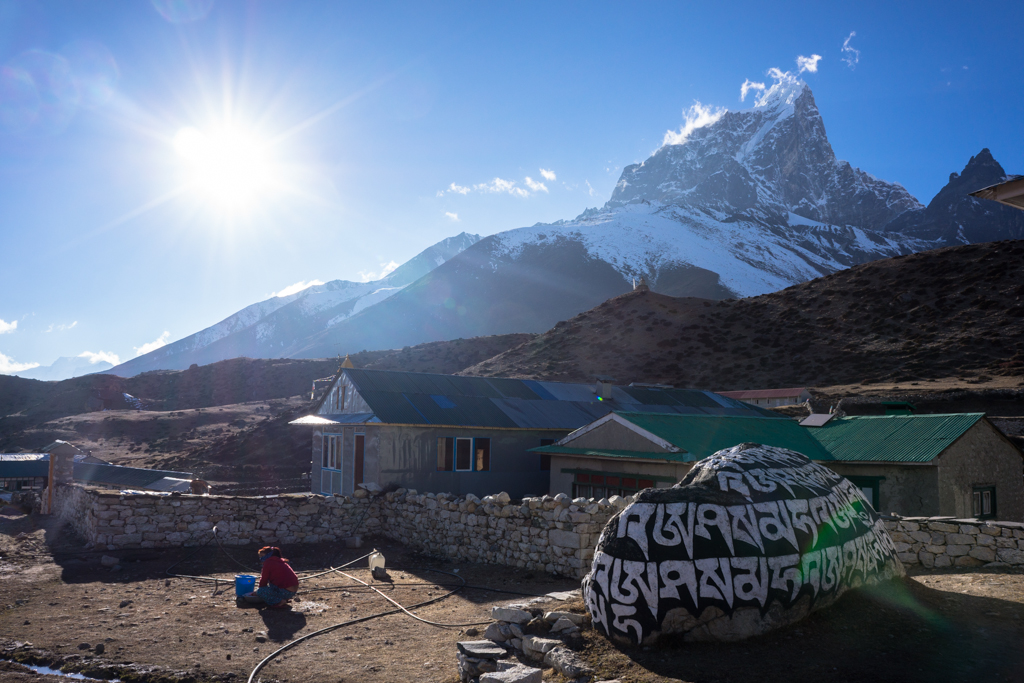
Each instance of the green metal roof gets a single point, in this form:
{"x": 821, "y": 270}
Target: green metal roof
{"x": 615, "y": 453}
{"x": 703, "y": 435}
{"x": 892, "y": 438}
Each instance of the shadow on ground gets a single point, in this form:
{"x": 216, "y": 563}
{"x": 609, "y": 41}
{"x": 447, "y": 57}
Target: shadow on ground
{"x": 901, "y": 631}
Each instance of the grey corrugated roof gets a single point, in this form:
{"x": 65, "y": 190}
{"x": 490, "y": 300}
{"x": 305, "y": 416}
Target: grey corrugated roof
{"x": 422, "y": 398}
{"x": 137, "y": 477}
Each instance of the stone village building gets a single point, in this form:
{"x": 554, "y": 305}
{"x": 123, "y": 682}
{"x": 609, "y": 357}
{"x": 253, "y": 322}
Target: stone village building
{"x": 464, "y": 435}
{"x": 956, "y": 465}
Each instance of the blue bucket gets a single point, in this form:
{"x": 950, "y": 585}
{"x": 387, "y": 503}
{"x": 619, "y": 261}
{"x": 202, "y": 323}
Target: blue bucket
{"x": 244, "y": 583}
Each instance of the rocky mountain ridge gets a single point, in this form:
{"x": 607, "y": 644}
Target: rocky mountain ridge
{"x": 270, "y": 328}
{"x": 753, "y": 202}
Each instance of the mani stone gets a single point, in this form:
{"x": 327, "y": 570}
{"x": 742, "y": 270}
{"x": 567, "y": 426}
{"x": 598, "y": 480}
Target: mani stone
{"x": 752, "y": 539}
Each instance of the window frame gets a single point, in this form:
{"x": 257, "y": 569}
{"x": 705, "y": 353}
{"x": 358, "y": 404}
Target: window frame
{"x": 873, "y": 483}
{"x": 468, "y": 440}
{"x": 331, "y": 451}
{"x": 978, "y": 502}
{"x": 595, "y": 484}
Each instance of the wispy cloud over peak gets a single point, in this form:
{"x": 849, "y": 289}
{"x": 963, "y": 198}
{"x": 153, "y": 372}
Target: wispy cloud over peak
{"x": 451, "y": 215}
{"x": 749, "y": 85}
{"x": 385, "y": 269}
{"x": 6, "y": 327}
{"x": 808, "y": 63}
{"x": 547, "y": 174}
{"x": 61, "y": 327}
{"x": 851, "y": 55}
{"x": 100, "y": 356}
{"x": 153, "y": 345}
{"x": 697, "y": 116}
{"x": 296, "y": 288}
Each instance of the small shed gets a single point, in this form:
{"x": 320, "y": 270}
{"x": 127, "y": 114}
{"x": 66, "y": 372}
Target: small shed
{"x": 770, "y": 398}
{"x": 23, "y": 471}
{"x": 956, "y": 465}
{"x": 624, "y": 452}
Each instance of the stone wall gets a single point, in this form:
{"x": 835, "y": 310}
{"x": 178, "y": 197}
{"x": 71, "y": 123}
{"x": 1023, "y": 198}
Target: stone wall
{"x": 550, "y": 533}
{"x": 114, "y": 520}
{"x": 939, "y": 542}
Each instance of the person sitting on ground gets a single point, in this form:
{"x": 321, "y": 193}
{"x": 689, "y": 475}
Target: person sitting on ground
{"x": 278, "y": 583}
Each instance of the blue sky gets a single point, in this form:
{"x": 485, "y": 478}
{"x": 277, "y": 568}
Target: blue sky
{"x": 356, "y": 119}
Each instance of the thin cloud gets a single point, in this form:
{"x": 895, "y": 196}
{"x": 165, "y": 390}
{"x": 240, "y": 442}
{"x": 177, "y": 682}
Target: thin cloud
{"x": 386, "y": 269}
{"x": 500, "y": 185}
{"x": 100, "y": 357}
{"x": 60, "y": 328}
{"x": 749, "y": 85}
{"x": 808, "y": 64}
{"x": 535, "y": 186}
{"x": 851, "y": 55}
{"x": 296, "y": 288}
{"x": 697, "y": 116}
{"x": 453, "y": 216}
{"x": 153, "y": 345}
{"x": 6, "y": 327}
{"x": 590, "y": 189}
{"x": 8, "y": 366}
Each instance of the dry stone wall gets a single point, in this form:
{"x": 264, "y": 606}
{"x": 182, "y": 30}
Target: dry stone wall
{"x": 552, "y": 533}
{"x": 940, "y": 542}
{"x": 115, "y": 520}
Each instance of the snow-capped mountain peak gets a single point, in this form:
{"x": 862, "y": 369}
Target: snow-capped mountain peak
{"x": 781, "y": 97}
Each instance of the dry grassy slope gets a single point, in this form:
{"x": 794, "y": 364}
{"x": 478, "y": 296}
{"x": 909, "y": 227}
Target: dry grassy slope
{"x": 448, "y": 357}
{"x": 944, "y": 313}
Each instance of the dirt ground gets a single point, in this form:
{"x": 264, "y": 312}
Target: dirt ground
{"x": 938, "y": 627}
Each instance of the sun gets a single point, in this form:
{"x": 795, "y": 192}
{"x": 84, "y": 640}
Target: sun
{"x": 229, "y": 167}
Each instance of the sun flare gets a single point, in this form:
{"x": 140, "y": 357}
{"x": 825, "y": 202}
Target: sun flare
{"x": 229, "y": 167}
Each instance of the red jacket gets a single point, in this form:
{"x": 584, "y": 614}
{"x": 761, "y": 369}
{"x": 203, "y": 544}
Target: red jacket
{"x": 277, "y": 573}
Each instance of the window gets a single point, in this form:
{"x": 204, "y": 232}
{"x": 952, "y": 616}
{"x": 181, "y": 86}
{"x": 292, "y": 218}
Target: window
{"x": 463, "y": 455}
{"x": 360, "y": 443}
{"x": 482, "y": 448}
{"x": 332, "y": 451}
{"x": 869, "y": 486}
{"x": 445, "y": 454}
{"x": 545, "y": 458}
{"x": 983, "y": 502}
{"x": 594, "y": 485}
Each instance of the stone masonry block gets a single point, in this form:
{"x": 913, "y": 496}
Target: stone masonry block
{"x": 960, "y": 539}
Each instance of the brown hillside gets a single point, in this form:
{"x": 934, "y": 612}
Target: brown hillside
{"x": 944, "y": 313}
{"x": 448, "y": 357}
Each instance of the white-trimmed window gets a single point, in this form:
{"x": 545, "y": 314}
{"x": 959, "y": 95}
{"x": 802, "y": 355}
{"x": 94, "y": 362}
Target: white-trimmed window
{"x": 332, "y": 449}
{"x": 983, "y": 502}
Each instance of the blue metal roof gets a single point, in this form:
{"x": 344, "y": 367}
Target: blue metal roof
{"x": 24, "y": 469}
{"x": 450, "y": 400}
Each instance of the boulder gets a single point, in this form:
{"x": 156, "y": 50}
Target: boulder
{"x": 752, "y": 539}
